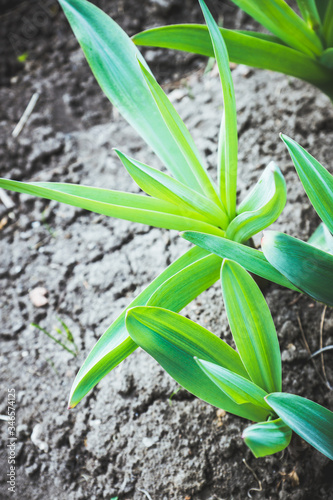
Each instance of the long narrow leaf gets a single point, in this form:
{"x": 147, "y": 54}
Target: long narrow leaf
{"x": 127, "y": 206}
{"x": 282, "y": 21}
{"x": 181, "y": 136}
{"x": 227, "y": 161}
{"x": 115, "y": 344}
{"x": 261, "y": 207}
{"x": 174, "y": 341}
{"x": 251, "y": 326}
{"x": 267, "y": 438}
{"x": 312, "y": 422}
{"x": 189, "y": 283}
{"x": 307, "y": 267}
{"x": 113, "y": 59}
{"x": 253, "y": 260}
{"x": 322, "y": 239}
{"x": 243, "y": 48}
{"x": 162, "y": 186}
{"x": 316, "y": 180}
{"x": 328, "y": 24}
{"x": 309, "y": 12}
{"x": 322, "y": 7}
{"x": 239, "y": 389}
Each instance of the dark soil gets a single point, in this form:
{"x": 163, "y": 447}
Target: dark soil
{"x": 127, "y": 438}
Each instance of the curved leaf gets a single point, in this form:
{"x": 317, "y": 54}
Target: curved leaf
{"x": 312, "y": 422}
{"x": 127, "y": 206}
{"x": 162, "y": 186}
{"x": 251, "y": 326}
{"x": 188, "y": 283}
{"x": 282, "y": 21}
{"x": 253, "y": 260}
{"x": 181, "y": 136}
{"x": 261, "y": 207}
{"x": 316, "y": 180}
{"x": 243, "y": 48}
{"x": 228, "y": 140}
{"x": 174, "y": 341}
{"x": 307, "y": 267}
{"x": 115, "y": 344}
{"x": 267, "y": 438}
{"x": 239, "y": 389}
{"x": 113, "y": 59}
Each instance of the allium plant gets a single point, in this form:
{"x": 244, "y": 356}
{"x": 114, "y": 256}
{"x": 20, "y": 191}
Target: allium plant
{"x": 300, "y": 46}
{"x": 187, "y": 200}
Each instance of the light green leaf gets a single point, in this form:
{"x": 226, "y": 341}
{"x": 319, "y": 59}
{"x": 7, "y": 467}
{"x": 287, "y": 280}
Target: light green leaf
{"x": 128, "y": 206}
{"x": 261, "y": 207}
{"x": 174, "y": 341}
{"x": 252, "y": 326}
{"x": 312, "y": 422}
{"x": 162, "y": 186}
{"x": 282, "y": 21}
{"x": 322, "y": 239}
{"x": 267, "y": 438}
{"x": 189, "y": 283}
{"x": 239, "y": 389}
{"x": 253, "y": 260}
{"x": 316, "y": 180}
{"x": 228, "y": 140}
{"x": 309, "y": 12}
{"x": 307, "y": 267}
{"x": 181, "y": 136}
{"x": 115, "y": 344}
{"x": 113, "y": 59}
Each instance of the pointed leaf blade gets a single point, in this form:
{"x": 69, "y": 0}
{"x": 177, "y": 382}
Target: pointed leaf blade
{"x": 316, "y": 180}
{"x": 267, "y": 438}
{"x": 162, "y": 186}
{"x": 127, "y": 206}
{"x": 262, "y": 206}
{"x": 307, "y": 267}
{"x": 239, "y": 389}
{"x": 227, "y": 163}
{"x": 251, "y": 259}
{"x": 113, "y": 59}
{"x": 173, "y": 341}
{"x": 311, "y": 421}
{"x": 115, "y": 344}
{"x": 322, "y": 239}
{"x": 252, "y": 327}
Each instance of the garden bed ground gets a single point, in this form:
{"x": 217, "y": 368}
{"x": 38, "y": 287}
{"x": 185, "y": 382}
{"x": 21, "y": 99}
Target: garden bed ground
{"x": 128, "y": 438}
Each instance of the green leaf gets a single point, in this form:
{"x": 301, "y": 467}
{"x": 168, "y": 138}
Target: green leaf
{"x": 312, "y": 422}
{"x": 316, "y": 180}
{"x": 239, "y": 389}
{"x": 307, "y": 267}
{"x": 228, "y": 141}
{"x": 309, "y": 12}
{"x": 251, "y": 326}
{"x": 282, "y": 21}
{"x": 327, "y": 58}
{"x": 128, "y": 206}
{"x": 115, "y": 344}
{"x": 162, "y": 186}
{"x": 181, "y": 136}
{"x": 322, "y": 239}
{"x": 328, "y": 24}
{"x": 243, "y": 48}
{"x": 322, "y": 7}
{"x": 261, "y": 207}
{"x": 267, "y": 438}
{"x": 188, "y": 283}
{"x": 113, "y": 59}
{"x": 253, "y": 260}
{"x": 174, "y": 341}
